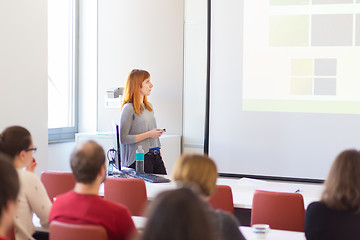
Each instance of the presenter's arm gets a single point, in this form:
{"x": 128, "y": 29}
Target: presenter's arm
{"x": 154, "y": 133}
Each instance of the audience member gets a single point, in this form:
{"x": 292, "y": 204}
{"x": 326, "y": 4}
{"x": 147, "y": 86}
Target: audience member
{"x": 178, "y": 215}
{"x": 201, "y": 170}
{"x": 337, "y": 215}
{"x": 17, "y": 142}
{"x": 9, "y": 189}
{"x": 84, "y": 205}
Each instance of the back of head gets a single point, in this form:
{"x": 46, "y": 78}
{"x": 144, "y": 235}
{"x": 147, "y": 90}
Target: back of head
{"x": 14, "y": 139}
{"x": 342, "y": 186}
{"x": 132, "y": 90}
{"x": 9, "y": 182}
{"x": 178, "y": 215}
{"x": 199, "y": 169}
{"x": 86, "y": 162}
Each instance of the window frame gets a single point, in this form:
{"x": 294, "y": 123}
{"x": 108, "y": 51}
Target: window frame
{"x": 64, "y": 134}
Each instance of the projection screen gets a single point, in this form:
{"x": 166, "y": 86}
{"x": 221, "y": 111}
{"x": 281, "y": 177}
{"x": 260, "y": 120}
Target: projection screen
{"x": 284, "y": 85}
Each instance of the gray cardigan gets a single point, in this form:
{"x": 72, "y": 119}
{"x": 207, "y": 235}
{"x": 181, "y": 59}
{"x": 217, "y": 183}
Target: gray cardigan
{"x": 132, "y": 124}
{"x": 226, "y": 225}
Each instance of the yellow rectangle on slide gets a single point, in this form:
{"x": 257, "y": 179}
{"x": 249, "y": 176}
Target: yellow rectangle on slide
{"x": 302, "y": 67}
{"x": 301, "y": 86}
{"x": 311, "y": 106}
{"x": 288, "y": 2}
{"x": 287, "y": 31}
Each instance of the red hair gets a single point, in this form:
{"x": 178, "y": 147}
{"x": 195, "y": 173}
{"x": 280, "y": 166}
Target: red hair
{"x": 132, "y": 90}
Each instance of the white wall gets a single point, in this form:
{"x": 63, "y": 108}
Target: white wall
{"x": 59, "y": 156}
{"x": 23, "y": 70}
{"x": 195, "y": 57}
{"x": 147, "y": 35}
{"x": 88, "y": 65}
{"x": 106, "y": 56}
{"x": 59, "y": 153}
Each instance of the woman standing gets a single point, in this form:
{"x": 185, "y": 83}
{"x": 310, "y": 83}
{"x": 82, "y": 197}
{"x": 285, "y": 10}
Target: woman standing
{"x": 337, "y": 215}
{"x": 17, "y": 142}
{"x": 138, "y": 124}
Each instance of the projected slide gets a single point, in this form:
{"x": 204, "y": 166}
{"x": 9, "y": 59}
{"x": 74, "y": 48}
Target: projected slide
{"x": 302, "y": 56}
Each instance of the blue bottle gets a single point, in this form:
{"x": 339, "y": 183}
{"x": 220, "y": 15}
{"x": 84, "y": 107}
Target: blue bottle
{"x": 110, "y": 168}
{"x": 139, "y": 160}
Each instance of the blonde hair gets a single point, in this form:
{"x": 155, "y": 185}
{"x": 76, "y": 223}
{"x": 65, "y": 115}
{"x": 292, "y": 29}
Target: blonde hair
{"x": 132, "y": 90}
{"x": 199, "y": 169}
{"x": 342, "y": 186}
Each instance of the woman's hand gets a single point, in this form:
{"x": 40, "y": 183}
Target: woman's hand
{"x": 155, "y": 133}
{"x": 32, "y": 165}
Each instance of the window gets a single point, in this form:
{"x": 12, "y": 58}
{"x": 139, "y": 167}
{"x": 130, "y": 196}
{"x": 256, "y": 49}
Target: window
{"x": 62, "y": 69}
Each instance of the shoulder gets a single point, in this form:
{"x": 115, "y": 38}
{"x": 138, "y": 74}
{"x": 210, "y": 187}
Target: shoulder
{"x": 115, "y": 207}
{"x": 27, "y": 177}
{"x": 128, "y": 107}
{"x": 226, "y": 217}
{"x": 316, "y": 212}
{"x": 63, "y": 199}
{"x": 66, "y": 195}
{"x": 316, "y": 207}
{"x": 127, "y": 111}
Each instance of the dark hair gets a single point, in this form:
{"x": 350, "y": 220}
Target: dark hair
{"x": 178, "y": 215}
{"x": 342, "y": 186}
{"x": 9, "y": 182}
{"x": 86, "y": 161}
{"x": 14, "y": 139}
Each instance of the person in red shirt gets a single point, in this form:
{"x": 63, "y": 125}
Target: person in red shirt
{"x": 9, "y": 189}
{"x": 83, "y": 205}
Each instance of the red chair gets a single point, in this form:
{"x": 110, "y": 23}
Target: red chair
{"x": 130, "y": 192}
{"x": 57, "y": 183}
{"x": 67, "y": 231}
{"x": 222, "y": 199}
{"x": 284, "y": 211}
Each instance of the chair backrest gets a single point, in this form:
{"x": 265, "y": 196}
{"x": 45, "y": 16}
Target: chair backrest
{"x": 222, "y": 199}
{"x": 57, "y": 183}
{"x": 130, "y": 192}
{"x": 284, "y": 211}
{"x": 67, "y": 231}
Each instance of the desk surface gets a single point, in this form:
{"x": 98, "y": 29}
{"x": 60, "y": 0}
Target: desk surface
{"x": 243, "y": 191}
{"x": 273, "y": 234}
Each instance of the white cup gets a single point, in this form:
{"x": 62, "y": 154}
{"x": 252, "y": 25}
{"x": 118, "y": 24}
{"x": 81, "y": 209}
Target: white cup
{"x": 260, "y": 230}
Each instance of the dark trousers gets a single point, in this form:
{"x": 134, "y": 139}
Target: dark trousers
{"x": 153, "y": 163}
{"x": 41, "y": 235}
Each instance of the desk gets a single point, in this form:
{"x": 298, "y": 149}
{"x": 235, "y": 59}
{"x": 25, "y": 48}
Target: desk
{"x": 274, "y": 234}
{"x": 140, "y": 223}
{"x": 242, "y": 192}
